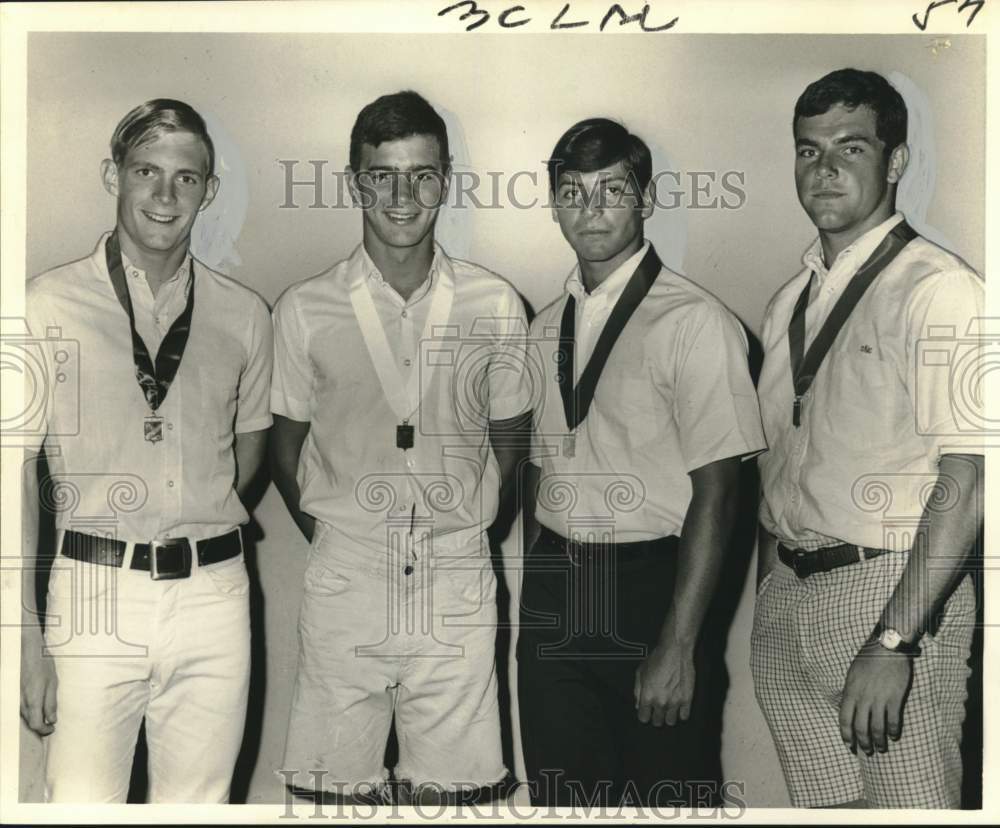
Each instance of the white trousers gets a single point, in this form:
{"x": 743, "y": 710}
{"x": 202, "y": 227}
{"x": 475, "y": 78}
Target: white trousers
{"x": 176, "y": 652}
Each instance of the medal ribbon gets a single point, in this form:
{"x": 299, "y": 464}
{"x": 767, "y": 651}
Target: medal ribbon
{"x": 806, "y": 364}
{"x": 576, "y": 400}
{"x": 154, "y": 380}
{"x": 403, "y": 397}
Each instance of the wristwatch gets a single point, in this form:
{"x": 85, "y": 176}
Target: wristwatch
{"x": 893, "y": 641}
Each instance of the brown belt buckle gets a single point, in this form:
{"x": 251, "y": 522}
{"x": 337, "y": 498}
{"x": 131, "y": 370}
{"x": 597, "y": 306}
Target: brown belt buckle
{"x": 158, "y": 574}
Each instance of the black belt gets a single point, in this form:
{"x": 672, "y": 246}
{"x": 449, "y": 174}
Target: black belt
{"x": 629, "y": 550}
{"x": 165, "y": 560}
{"x": 808, "y": 562}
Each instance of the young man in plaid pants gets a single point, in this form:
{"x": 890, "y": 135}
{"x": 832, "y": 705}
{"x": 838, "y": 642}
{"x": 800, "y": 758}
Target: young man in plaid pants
{"x": 873, "y": 480}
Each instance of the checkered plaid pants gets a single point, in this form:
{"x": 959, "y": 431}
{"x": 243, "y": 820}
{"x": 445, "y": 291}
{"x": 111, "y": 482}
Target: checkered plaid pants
{"x": 805, "y": 636}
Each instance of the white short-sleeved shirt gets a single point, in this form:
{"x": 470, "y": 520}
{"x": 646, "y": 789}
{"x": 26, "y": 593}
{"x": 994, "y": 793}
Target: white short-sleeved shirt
{"x": 351, "y": 474}
{"x": 675, "y": 394}
{"x": 109, "y": 479}
{"x": 886, "y": 402}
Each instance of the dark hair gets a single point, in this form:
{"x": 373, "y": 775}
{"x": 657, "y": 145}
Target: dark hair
{"x": 150, "y": 120}
{"x": 397, "y": 116}
{"x": 854, "y": 88}
{"x": 597, "y": 143}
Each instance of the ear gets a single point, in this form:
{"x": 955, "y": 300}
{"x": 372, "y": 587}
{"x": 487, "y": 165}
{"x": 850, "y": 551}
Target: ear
{"x": 109, "y": 176}
{"x": 445, "y": 185}
{"x": 352, "y": 186}
{"x": 211, "y": 188}
{"x": 648, "y": 199}
{"x": 898, "y": 160}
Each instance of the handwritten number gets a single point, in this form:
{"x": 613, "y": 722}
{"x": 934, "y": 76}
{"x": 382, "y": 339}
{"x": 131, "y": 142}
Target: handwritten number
{"x": 484, "y": 15}
{"x": 975, "y": 5}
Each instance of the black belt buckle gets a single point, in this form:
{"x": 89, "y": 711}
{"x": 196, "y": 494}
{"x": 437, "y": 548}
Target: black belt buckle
{"x": 169, "y": 560}
{"x": 800, "y": 564}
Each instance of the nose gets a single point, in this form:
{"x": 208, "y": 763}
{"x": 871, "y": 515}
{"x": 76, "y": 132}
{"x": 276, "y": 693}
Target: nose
{"x": 164, "y": 190}
{"x": 593, "y": 203}
{"x": 402, "y": 188}
{"x": 826, "y": 166}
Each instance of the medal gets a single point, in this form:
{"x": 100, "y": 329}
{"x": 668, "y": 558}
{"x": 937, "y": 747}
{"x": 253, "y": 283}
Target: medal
{"x": 404, "y": 436}
{"x": 154, "y": 376}
{"x": 569, "y": 445}
{"x": 152, "y": 428}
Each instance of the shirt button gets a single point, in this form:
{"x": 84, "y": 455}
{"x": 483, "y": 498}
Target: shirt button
{"x": 409, "y": 464}
{"x": 170, "y": 483}
{"x": 170, "y": 426}
{"x": 404, "y": 314}
{"x": 402, "y": 508}
{"x": 407, "y": 362}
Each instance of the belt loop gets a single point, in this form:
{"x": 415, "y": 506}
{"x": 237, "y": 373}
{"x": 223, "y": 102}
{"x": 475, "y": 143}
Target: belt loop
{"x": 127, "y": 556}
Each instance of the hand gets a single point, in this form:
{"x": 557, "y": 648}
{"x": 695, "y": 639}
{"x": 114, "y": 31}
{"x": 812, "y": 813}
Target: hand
{"x": 38, "y": 684}
{"x": 664, "y": 685}
{"x": 874, "y": 694}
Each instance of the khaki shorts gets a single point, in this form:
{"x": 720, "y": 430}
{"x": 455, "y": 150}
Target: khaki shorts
{"x": 377, "y": 643}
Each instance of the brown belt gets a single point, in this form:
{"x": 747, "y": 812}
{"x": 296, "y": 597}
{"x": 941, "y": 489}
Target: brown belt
{"x": 165, "y": 560}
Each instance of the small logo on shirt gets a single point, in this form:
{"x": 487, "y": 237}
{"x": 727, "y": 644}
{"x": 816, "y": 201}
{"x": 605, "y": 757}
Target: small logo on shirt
{"x": 866, "y": 349}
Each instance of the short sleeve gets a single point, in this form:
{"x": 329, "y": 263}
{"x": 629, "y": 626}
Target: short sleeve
{"x": 40, "y": 368}
{"x": 292, "y": 383}
{"x": 253, "y": 411}
{"x": 715, "y": 404}
{"x": 948, "y": 355}
{"x": 509, "y": 379}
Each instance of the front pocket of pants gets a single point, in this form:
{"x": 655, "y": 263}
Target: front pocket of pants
{"x": 321, "y": 580}
{"x": 230, "y": 578}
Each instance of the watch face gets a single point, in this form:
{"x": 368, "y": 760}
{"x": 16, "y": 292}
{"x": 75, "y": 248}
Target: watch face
{"x": 890, "y": 639}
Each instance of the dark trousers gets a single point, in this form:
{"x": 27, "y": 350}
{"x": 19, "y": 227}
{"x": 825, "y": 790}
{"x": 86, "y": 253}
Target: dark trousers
{"x": 589, "y": 615}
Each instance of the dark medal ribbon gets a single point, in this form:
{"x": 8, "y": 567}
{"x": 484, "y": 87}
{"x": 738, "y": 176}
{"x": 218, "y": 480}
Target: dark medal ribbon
{"x": 154, "y": 379}
{"x": 577, "y": 399}
{"x": 806, "y": 364}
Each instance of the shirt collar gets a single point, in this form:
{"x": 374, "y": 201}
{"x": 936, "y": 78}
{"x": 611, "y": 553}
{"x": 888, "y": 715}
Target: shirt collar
{"x": 364, "y": 268}
{"x": 612, "y": 287}
{"x": 852, "y": 256}
{"x": 134, "y": 272}
{"x": 100, "y": 260}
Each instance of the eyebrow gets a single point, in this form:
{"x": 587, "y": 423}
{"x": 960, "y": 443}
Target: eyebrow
{"x": 387, "y": 168}
{"x": 576, "y": 182}
{"x": 843, "y": 139}
{"x": 158, "y": 168}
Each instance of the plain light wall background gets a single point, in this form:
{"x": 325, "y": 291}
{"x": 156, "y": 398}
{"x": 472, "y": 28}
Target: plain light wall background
{"x": 710, "y": 102}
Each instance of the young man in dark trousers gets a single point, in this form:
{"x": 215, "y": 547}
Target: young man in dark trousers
{"x": 648, "y": 407}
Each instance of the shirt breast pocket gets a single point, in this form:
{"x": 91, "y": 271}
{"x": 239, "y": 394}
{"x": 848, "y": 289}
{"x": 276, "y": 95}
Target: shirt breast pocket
{"x": 631, "y": 413}
{"x": 867, "y": 400}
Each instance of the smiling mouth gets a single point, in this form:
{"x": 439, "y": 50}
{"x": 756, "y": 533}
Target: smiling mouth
{"x": 159, "y": 218}
{"x": 402, "y": 218}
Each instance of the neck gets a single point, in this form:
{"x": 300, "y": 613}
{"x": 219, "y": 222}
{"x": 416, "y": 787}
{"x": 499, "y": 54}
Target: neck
{"x": 593, "y": 274}
{"x": 834, "y": 243}
{"x": 405, "y": 268}
{"x": 159, "y": 266}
